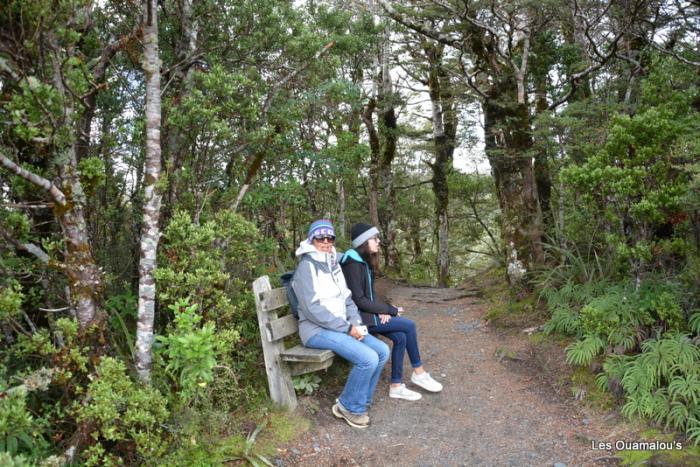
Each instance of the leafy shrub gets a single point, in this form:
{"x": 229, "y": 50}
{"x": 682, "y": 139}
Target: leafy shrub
{"x": 190, "y": 350}
{"x": 10, "y": 301}
{"x": 212, "y": 264}
{"x": 128, "y": 418}
{"x": 9, "y": 460}
{"x": 15, "y": 422}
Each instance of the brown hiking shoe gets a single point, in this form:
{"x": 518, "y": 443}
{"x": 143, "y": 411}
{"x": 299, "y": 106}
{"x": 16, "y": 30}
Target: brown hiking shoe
{"x": 354, "y": 420}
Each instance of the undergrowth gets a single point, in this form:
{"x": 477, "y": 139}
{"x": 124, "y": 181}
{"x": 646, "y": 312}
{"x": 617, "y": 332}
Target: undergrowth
{"x": 647, "y": 343}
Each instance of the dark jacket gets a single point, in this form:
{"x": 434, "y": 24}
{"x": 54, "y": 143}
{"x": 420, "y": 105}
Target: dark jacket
{"x": 360, "y": 279}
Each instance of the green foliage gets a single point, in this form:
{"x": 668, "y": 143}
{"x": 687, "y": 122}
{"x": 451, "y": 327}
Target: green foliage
{"x": 613, "y": 316}
{"x": 122, "y": 310}
{"x": 16, "y": 424}
{"x": 248, "y": 454}
{"x": 9, "y": 460}
{"x": 307, "y": 383}
{"x": 124, "y": 414}
{"x": 582, "y": 352}
{"x": 209, "y": 263}
{"x": 92, "y": 174}
{"x": 636, "y": 185}
{"x": 10, "y": 301}
{"x": 190, "y": 350}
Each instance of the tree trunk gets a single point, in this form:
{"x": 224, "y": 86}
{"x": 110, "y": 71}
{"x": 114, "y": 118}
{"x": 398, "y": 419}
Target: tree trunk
{"x": 84, "y": 277}
{"x": 444, "y": 119}
{"x": 389, "y": 136}
{"x": 543, "y": 176}
{"x": 509, "y": 150}
{"x": 414, "y": 228}
{"x": 373, "y": 195}
{"x": 341, "y": 208}
{"x": 150, "y": 231}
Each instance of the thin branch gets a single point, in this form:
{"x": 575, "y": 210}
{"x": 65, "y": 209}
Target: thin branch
{"x": 472, "y": 204}
{"x": 413, "y": 185}
{"x": 27, "y": 205}
{"x": 28, "y": 247}
{"x": 37, "y": 180}
{"x": 675, "y": 55}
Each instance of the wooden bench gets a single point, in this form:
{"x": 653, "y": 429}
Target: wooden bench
{"x": 281, "y": 363}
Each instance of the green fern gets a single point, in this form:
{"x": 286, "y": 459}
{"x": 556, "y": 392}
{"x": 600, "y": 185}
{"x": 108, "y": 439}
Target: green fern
{"x": 564, "y": 320}
{"x": 582, "y": 352}
{"x": 677, "y": 415}
{"x": 662, "y": 406}
{"x": 694, "y": 323}
{"x": 693, "y": 430}
{"x": 685, "y": 388}
{"x": 614, "y": 367}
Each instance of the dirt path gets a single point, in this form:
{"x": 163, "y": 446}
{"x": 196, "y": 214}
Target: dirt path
{"x": 494, "y": 410}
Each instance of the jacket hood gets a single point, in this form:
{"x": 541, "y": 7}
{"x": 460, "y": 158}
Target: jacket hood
{"x": 306, "y": 248}
{"x": 352, "y": 254}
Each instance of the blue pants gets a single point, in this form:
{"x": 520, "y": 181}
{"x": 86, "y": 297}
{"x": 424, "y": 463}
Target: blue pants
{"x": 403, "y": 334}
{"x": 367, "y": 356}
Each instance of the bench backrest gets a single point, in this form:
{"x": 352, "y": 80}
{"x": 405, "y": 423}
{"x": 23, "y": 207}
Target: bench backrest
{"x": 267, "y": 301}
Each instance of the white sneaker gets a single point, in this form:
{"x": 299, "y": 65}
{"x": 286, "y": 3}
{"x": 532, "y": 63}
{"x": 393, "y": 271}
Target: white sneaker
{"x": 402, "y": 392}
{"x": 426, "y": 382}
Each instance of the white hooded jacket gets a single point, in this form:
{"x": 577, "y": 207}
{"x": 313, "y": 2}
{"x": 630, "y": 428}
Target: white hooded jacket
{"x": 325, "y": 302}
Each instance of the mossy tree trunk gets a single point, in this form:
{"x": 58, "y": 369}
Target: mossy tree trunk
{"x": 508, "y": 145}
{"x": 84, "y": 276}
{"x": 444, "y": 118}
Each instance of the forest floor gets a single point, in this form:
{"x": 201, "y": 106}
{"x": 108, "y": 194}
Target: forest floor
{"x": 507, "y": 401}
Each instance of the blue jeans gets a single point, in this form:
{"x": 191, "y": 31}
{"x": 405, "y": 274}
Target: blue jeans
{"x": 402, "y": 332}
{"x": 367, "y": 356}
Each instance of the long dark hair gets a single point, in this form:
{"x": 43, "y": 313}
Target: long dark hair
{"x": 370, "y": 258}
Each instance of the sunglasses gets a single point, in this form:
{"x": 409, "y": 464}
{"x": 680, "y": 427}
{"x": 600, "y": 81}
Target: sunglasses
{"x": 325, "y": 238}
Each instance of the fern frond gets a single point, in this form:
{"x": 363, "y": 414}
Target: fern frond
{"x": 601, "y": 381}
{"x": 693, "y": 430}
{"x": 582, "y": 352}
{"x": 638, "y": 378}
{"x": 685, "y": 388}
{"x": 662, "y": 406}
{"x": 677, "y": 415}
{"x": 694, "y": 323}
{"x": 563, "y": 320}
{"x": 631, "y": 408}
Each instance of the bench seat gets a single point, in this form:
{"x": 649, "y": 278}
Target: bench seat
{"x": 299, "y": 353}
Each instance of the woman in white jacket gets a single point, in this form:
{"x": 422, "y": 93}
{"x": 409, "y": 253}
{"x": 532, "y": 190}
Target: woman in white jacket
{"x": 328, "y": 319}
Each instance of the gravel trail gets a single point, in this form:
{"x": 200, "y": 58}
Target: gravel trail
{"x": 496, "y": 408}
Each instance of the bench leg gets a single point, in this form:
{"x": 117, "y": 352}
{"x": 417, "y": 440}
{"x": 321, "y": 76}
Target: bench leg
{"x": 280, "y": 383}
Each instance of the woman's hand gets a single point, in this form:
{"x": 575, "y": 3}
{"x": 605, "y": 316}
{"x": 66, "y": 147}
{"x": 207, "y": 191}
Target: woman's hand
{"x": 354, "y": 332}
{"x": 383, "y": 318}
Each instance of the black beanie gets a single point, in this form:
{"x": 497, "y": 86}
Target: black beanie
{"x": 360, "y": 233}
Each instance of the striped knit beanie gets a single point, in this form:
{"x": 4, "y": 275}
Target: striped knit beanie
{"x": 360, "y": 233}
{"x": 321, "y": 227}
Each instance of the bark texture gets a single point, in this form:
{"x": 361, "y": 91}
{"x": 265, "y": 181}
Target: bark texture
{"x": 150, "y": 230}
